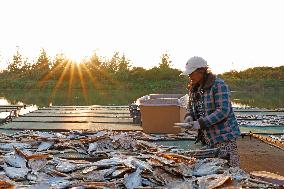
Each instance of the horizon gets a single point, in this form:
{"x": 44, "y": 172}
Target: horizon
{"x": 229, "y": 35}
{"x": 79, "y": 61}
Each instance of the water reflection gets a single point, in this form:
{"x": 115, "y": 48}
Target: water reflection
{"x": 268, "y": 130}
{"x": 76, "y": 97}
{"x": 4, "y": 101}
{"x": 270, "y": 99}
{"x": 264, "y": 99}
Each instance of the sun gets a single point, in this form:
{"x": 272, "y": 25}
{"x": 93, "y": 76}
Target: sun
{"x": 77, "y": 55}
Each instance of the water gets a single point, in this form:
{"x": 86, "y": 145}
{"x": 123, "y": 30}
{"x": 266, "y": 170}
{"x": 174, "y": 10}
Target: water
{"x": 74, "y": 97}
{"x": 270, "y": 99}
{"x": 262, "y": 129}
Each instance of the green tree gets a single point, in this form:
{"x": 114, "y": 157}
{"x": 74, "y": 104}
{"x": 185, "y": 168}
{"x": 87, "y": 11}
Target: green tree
{"x": 16, "y": 64}
{"x": 112, "y": 65}
{"x": 165, "y": 63}
{"x": 123, "y": 68}
{"x": 42, "y": 66}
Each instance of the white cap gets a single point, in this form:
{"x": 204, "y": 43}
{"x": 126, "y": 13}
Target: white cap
{"x": 193, "y": 64}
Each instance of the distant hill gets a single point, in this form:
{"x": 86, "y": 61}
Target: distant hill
{"x": 258, "y": 78}
{"x": 257, "y": 73}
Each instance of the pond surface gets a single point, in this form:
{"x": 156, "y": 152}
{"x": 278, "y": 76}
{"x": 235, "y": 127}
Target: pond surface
{"x": 262, "y": 129}
{"x": 75, "y": 97}
{"x": 270, "y": 99}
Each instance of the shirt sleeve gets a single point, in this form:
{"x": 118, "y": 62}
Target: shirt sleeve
{"x": 222, "y": 106}
{"x": 189, "y": 110}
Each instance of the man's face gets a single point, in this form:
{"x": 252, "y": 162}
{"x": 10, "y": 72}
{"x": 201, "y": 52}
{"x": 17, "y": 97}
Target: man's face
{"x": 196, "y": 76}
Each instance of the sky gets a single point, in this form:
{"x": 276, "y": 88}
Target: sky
{"x": 230, "y": 35}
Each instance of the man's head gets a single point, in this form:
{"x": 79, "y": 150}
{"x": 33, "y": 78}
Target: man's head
{"x": 195, "y": 68}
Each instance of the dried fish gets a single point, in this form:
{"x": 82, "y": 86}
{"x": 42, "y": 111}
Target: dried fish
{"x": 89, "y": 169}
{"x": 31, "y": 177}
{"x": 66, "y": 167}
{"x": 150, "y": 147}
{"x": 97, "y": 185}
{"x": 180, "y": 185}
{"x": 146, "y": 182}
{"x": 111, "y": 159}
{"x": 98, "y": 175}
{"x": 15, "y": 160}
{"x": 59, "y": 135}
{"x": 120, "y": 172}
{"x": 6, "y": 185}
{"x": 140, "y": 164}
{"x": 58, "y": 183}
{"x": 16, "y": 173}
{"x": 99, "y": 134}
{"x": 10, "y": 146}
{"x": 133, "y": 180}
{"x": 114, "y": 161}
{"x": 37, "y": 164}
{"x": 92, "y": 147}
{"x": 44, "y": 135}
{"x": 209, "y": 166}
{"x": 213, "y": 181}
{"x": 183, "y": 169}
{"x": 236, "y": 173}
{"x": 178, "y": 158}
{"x": 165, "y": 175}
{"x": 160, "y": 160}
{"x": 44, "y": 146}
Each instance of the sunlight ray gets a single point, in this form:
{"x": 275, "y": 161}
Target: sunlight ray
{"x": 71, "y": 80}
{"x": 60, "y": 80}
{"x": 49, "y": 74}
{"x": 95, "y": 82}
{"x": 83, "y": 84}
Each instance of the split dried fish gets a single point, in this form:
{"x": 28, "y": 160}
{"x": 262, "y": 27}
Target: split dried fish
{"x": 213, "y": 181}
{"x": 98, "y": 175}
{"x": 16, "y": 173}
{"x": 133, "y": 180}
{"x": 209, "y": 166}
{"x": 119, "y": 172}
{"x": 110, "y": 159}
{"x": 15, "y": 160}
{"x": 180, "y": 185}
{"x": 66, "y": 167}
{"x": 37, "y": 164}
{"x": 44, "y": 146}
{"x": 6, "y": 185}
{"x": 12, "y": 145}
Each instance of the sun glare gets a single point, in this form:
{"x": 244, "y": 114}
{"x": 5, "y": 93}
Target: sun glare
{"x": 77, "y": 57}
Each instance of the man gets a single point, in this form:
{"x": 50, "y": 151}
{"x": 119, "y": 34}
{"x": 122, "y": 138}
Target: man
{"x": 210, "y": 110}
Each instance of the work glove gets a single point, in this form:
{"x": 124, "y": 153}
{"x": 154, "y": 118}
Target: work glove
{"x": 184, "y": 125}
{"x": 189, "y": 125}
{"x": 196, "y": 125}
{"x": 188, "y": 119}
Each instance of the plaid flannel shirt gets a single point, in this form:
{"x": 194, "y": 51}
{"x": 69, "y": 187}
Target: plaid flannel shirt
{"x": 219, "y": 121}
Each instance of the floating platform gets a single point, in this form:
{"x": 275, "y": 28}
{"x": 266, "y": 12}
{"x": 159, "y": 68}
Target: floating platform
{"x": 65, "y": 118}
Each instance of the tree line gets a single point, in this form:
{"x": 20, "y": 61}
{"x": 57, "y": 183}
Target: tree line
{"x": 118, "y": 72}
{"x": 95, "y": 71}
{"x": 256, "y": 73}
{"x": 256, "y": 79}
